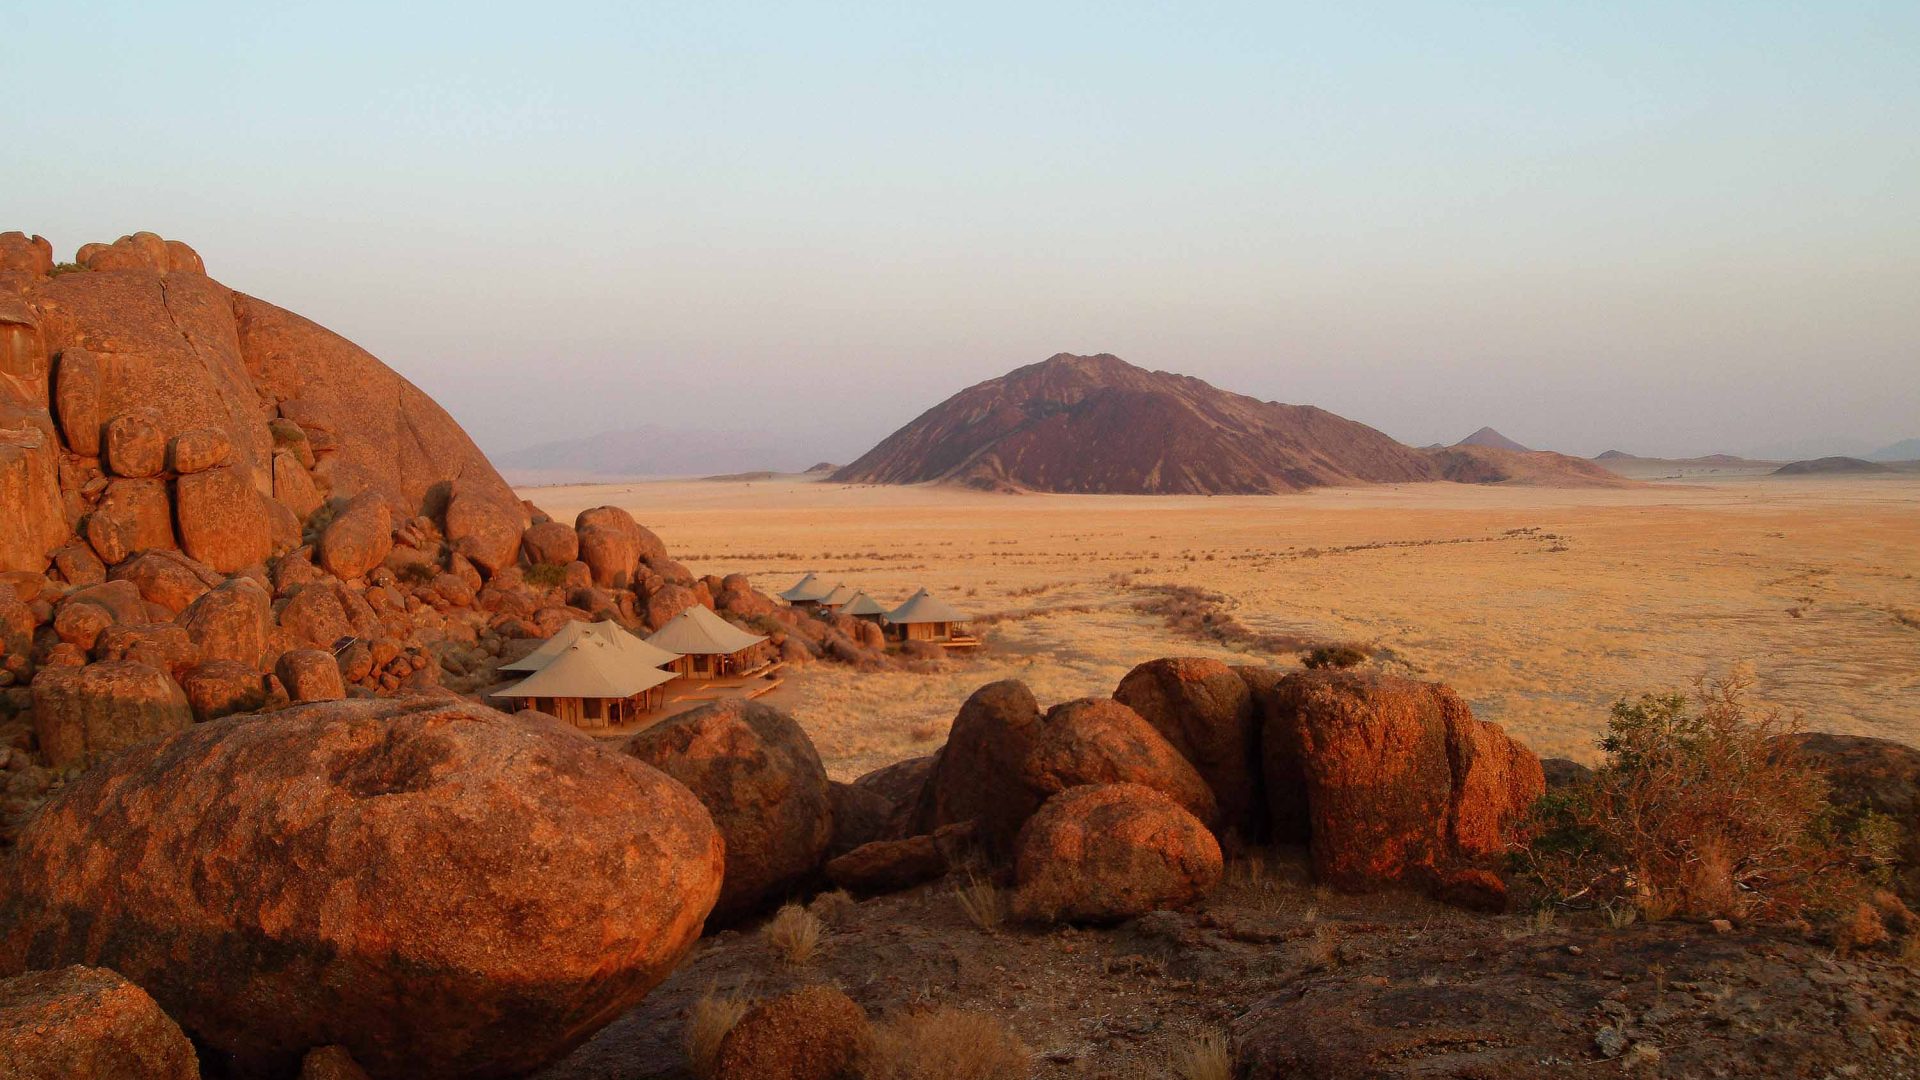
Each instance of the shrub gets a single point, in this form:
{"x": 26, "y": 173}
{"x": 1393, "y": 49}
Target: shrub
{"x": 833, "y": 908}
{"x": 981, "y": 900}
{"x": 1700, "y": 811}
{"x": 795, "y": 933}
{"x": 1343, "y": 655}
{"x": 945, "y": 1044}
{"x": 1208, "y": 1057}
{"x": 66, "y": 268}
{"x": 417, "y": 573}
{"x": 546, "y": 575}
{"x": 707, "y": 1025}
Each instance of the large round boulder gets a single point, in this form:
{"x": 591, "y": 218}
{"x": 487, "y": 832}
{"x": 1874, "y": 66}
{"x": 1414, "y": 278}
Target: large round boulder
{"x": 1875, "y": 774}
{"x": 1400, "y": 782}
{"x": 977, "y": 776}
{"x": 439, "y": 888}
{"x": 1205, "y": 710}
{"x": 358, "y": 538}
{"x": 223, "y": 520}
{"x": 231, "y": 622}
{"x": 759, "y": 776}
{"x": 85, "y": 1023}
{"x": 1102, "y": 853}
{"x": 1100, "y": 741}
{"x": 550, "y": 542}
{"x": 83, "y": 714}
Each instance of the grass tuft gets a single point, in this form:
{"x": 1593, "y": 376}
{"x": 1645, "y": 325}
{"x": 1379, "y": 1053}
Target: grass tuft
{"x": 945, "y": 1044}
{"x": 795, "y": 933}
{"x": 707, "y": 1025}
{"x": 1208, "y": 1057}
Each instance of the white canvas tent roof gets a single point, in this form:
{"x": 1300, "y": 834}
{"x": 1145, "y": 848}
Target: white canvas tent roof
{"x": 862, "y": 604}
{"x": 922, "y": 607}
{"x": 840, "y": 595}
{"x": 630, "y": 647}
{"x": 807, "y": 588}
{"x": 698, "y": 631}
{"x": 591, "y": 667}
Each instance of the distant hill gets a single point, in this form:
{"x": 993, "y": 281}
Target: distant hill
{"x": 1486, "y": 436}
{"x": 1650, "y": 468}
{"x": 1535, "y": 468}
{"x": 1831, "y": 466}
{"x": 652, "y": 450}
{"x": 1904, "y": 450}
{"x": 1097, "y": 424}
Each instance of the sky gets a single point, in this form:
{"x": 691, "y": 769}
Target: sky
{"x": 1673, "y": 228}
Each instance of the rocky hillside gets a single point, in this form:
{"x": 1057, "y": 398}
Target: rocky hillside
{"x": 215, "y": 506}
{"x": 1099, "y": 425}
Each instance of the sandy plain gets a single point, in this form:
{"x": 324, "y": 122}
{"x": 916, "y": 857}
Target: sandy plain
{"x": 1540, "y": 606}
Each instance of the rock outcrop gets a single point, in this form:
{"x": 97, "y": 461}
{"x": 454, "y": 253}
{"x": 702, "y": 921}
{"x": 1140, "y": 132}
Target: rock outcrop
{"x": 250, "y": 885}
{"x": 758, "y": 774}
{"x": 1106, "y": 852}
{"x": 86, "y": 1023}
{"x": 1203, "y": 707}
{"x": 1399, "y": 782}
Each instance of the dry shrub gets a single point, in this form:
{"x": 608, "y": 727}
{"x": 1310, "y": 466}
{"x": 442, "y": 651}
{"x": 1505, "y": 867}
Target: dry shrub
{"x": 833, "y": 908}
{"x": 1323, "y": 947}
{"x": 945, "y": 1044}
{"x": 983, "y": 903}
{"x": 1344, "y": 654}
{"x": 1208, "y": 1057}
{"x": 707, "y": 1025}
{"x": 1201, "y": 614}
{"x": 795, "y": 933}
{"x": 1701, "y": 812}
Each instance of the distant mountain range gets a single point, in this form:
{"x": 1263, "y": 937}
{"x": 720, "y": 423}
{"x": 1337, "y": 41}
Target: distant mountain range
{"x": 1904, "y": 450}
{"x": 1097, "y": 424}
{"x": 652, "y": 450}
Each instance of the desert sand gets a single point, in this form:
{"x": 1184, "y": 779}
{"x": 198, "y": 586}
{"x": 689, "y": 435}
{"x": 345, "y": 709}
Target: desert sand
{"x": 1541, "y": 606}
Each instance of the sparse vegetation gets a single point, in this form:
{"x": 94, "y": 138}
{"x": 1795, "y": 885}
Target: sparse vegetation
{"x": 1699, "y": 811}
{"x": 945, "y": 1043}
{"x": 833, "y": 908}
{"x": 417, "y": 573}
{"x": 1342, "y": 655}
{"x": 546, "y": 575}
{"x": 795, "y": 933}
{"x": 708, "y": 1022}
{"x": 66, "y": 268}
{"x": 1207, "y": 1057}
{"x": 982, "y": 902}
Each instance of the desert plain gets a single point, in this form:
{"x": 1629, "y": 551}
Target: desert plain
{"x": 1541, "y": 606}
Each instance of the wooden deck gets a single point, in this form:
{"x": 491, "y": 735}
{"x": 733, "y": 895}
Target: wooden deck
{"x": 685, "y": 695}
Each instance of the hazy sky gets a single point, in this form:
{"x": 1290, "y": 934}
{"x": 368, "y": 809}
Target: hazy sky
{"x": 1670, "y": 227}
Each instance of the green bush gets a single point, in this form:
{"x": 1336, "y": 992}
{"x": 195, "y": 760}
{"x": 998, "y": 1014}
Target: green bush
{"x": 546, "y": 574}
{"x": 1701, "y": 811}
{"x": 1344, "y": 655}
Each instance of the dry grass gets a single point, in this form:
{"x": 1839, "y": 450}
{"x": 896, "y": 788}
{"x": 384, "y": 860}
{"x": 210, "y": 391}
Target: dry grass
{"x": 795, "y": 933}
{"x": 945, "y": 1044}
{"x": 707, "y": 1025}
{"x": 1659, "y": 583}
{"x": 1207, "y": 1057}
{"x": 833, "y": 908}
{"x": 1323, "y": 948}
{"x": 983, "y": 903}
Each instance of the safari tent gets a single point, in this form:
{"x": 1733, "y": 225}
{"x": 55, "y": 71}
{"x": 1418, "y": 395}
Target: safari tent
{"x": 840, "y": 595}
{"x": 924, "y": 617}
{"x": 636, "y": 650}
{"x": 707, "y": 646}
{"x": 592, "y": 683}
{"x": 862, "y": 606}
{"x": 807, "y": 592}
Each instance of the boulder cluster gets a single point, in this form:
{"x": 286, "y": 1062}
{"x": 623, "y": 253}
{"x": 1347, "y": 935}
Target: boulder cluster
{"x": 1103, "y": 809}
{"x": 217, "y": 507}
